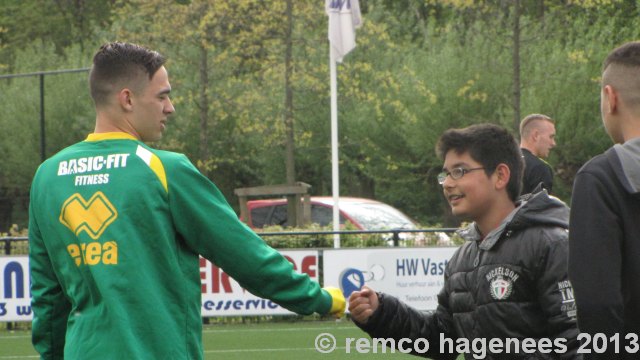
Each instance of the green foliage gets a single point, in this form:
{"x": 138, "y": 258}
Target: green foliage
{"x": 62, "y": 23}
{"x": 319, "y": 240}
{"x": 280, "y": 237}
{"x": 69, "y": 115}
{"x": 419, "y": 67}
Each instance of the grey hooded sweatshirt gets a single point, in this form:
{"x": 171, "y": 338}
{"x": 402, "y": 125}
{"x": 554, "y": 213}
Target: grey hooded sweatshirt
{"x": 604, "y": 250}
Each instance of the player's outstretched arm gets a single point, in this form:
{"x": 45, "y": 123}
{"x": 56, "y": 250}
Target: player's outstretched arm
{"x": 338, "y": 302}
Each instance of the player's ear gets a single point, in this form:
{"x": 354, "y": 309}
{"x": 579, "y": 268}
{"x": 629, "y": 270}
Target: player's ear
{"x": 610, "y": 97}
{"x": 124, "y": 99}
{"x": 502, "y": 175}
{"x": 535, "y": 134}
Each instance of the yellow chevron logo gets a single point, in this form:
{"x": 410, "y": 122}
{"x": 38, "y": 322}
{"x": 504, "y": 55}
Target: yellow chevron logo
{"x": 93, "y": 216}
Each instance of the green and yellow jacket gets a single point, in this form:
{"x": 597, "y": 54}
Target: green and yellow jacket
{"x": 116, "y": 229}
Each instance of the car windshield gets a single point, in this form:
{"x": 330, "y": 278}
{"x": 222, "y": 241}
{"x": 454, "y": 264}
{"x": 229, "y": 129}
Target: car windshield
{"x": 377, "y": 216}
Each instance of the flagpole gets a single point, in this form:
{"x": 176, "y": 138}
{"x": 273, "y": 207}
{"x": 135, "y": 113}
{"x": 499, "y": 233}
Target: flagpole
{"x": 335, "y": 178}
{"x": 344, "y": 17}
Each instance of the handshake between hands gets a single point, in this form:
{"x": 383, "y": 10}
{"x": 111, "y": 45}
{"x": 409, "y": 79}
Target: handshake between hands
{"x": 362, "y": 304}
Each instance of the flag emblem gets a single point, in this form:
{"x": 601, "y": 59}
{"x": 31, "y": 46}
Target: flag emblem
{"x": 501, "y": 288}
{"x": 501, "y": 282}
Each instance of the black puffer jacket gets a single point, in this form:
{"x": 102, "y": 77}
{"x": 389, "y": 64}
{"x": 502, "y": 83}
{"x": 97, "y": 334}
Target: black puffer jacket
{"x": 512, "y": 284}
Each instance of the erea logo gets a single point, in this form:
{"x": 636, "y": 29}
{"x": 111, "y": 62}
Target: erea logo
{"x": 92, "y": 216}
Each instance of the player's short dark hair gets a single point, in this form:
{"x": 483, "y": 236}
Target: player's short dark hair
{"x": 627, "y": 54}
{"x": 117, "y": 65}
{"x": 490, "y": 145}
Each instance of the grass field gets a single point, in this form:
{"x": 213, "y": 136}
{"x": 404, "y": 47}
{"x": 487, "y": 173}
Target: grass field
{"x": 267, "y": 341}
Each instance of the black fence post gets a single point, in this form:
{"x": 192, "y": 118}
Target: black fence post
{"x": 7, "y": 251}
{"x": 396, "y": 238}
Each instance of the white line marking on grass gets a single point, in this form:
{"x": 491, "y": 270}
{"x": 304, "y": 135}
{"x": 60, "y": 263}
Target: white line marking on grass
{"x": 263, "y": 350}
{"x": 15, "y": 337}
{"x": 283, "y": 329}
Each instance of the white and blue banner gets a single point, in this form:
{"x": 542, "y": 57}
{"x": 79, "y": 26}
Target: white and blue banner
{"x": 413, "y": 275}
{"x": 223, "y": 296}
{"x": 15, "y": 293}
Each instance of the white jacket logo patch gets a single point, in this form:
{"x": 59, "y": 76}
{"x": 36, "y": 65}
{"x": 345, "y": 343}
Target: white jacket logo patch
{"x": 501, "y": 282}
{"x": 501, "y": 288}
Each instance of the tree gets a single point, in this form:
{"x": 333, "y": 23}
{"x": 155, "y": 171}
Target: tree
{"x": 69, "y": 118}
{"x": 64, "y": 23}
{"x": 246, "y": 79}
{"x": 244, "y": 85}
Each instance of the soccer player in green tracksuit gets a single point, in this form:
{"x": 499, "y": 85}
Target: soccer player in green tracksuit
{"x": 116, "y": 228}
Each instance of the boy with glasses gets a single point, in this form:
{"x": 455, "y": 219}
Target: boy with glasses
{"x": 509, "y": 280}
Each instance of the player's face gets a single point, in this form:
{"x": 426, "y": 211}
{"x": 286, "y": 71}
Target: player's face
{"x": 546, "y": 138}
{"x": 152, "y": 107}
{"x": 472, "y": 195}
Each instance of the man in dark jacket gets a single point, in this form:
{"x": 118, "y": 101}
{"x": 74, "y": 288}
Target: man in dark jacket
{"x": 605, "y": 229}
{"x": 508, "y": 283}
{"x": 537, "y": 138}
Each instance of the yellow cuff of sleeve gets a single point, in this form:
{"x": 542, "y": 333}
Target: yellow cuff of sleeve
{"x": 338, "y": 302}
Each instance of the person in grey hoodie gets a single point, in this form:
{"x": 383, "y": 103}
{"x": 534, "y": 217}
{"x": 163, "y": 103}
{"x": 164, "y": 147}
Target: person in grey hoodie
{"x": 604, "y": 235}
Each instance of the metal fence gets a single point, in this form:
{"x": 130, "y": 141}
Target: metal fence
{"x": 361, "y": 238}
{"x": 15, "y": 245}
{"x": 19, "y": 245}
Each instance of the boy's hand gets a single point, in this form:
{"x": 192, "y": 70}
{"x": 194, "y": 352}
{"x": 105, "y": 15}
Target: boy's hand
{"x": 338, "y": 304}
{"x": 362, "y": 304}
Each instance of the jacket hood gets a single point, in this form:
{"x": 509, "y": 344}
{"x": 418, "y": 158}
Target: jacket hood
{"x": 532, "y": 209}
{"x": 626, "y": 164}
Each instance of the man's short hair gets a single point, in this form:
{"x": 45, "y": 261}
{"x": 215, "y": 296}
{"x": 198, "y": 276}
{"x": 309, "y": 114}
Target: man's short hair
{"x": 627, "y": 54}
{"x": 118, "y": 65}
{"x": 490, "y": 145}
{"x": 528, "y": 123}
{"x": 621, "y": 69}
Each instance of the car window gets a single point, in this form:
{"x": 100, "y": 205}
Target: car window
{"x": 259, "y": 216}
{"x": 323, "y": 215}
{"x": 377, "y": 216}
{"x": 279, "y": 216}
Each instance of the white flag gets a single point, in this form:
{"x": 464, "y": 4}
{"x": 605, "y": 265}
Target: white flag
{"x": 344, "y": 18}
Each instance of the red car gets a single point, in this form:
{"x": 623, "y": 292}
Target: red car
{"x": 364, "y": 214}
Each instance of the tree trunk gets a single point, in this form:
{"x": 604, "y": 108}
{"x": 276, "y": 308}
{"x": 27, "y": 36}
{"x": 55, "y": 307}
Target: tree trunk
{"x": 290, "y": 164}
{"x": 203, "y": 149}
{"x": 288, "y": 100}
{"x": 516, "y": 65}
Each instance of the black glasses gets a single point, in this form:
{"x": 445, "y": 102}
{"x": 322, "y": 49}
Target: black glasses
{"x": 455, "y": 173}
